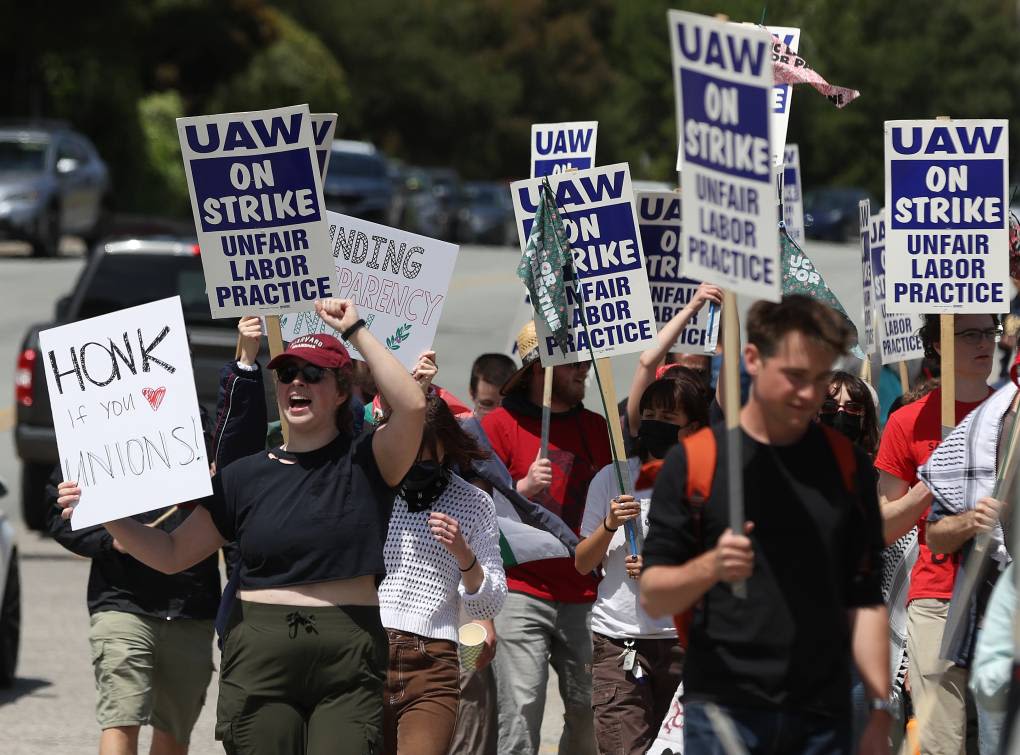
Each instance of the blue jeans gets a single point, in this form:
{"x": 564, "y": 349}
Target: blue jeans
{"x": 766, "y": 732}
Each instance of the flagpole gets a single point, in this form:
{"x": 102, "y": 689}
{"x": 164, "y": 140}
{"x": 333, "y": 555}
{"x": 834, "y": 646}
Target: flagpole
{"x": 546, "y": 412}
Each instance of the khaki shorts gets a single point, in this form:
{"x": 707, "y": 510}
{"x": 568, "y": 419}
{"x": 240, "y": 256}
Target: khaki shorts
{"x": 150, "y": 670}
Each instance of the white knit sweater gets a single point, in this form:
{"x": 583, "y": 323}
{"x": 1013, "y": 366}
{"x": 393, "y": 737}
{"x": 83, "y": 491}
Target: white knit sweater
{"x": 422, "y": 592}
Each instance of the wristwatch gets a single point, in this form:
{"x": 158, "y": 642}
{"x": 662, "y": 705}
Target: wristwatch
{"x": 877, "y": 703}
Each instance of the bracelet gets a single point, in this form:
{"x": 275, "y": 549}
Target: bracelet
{"x": 472, "y": 566}
{"x": 608, "y": 528}
{"x": 346, "y": 335}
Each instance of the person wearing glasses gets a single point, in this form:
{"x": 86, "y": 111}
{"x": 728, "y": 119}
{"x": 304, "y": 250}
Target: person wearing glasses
{"x": 305, "y": 657}
{"x": 850, "y": 408}
{"x": 911, "y": 435}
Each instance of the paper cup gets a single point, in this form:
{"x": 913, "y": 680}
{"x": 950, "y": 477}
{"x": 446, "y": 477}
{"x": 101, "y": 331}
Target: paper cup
{"x": 472, "y": 642}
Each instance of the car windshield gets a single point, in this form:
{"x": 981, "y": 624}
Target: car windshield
{"x": 490, "y": 196}
{"x": 350, "y": 164}
{"x": 127, "y": 280}
{"x": 22, "y": 156}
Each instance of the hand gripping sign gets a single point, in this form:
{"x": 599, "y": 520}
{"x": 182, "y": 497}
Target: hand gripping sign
{"x": 946, "y": 216}
{"x": 125, "y": 411}
{"x": 256, "y": 195}
{"x": 609, "y": 308}
{"x": 559, "y": 147}
{"x": 723, "y": 78}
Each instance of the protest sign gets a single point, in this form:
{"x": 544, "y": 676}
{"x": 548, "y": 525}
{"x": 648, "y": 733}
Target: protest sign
{"x": 323, "y": 128}
{"x": 864, "y": 227}
{"x": 397, "y": 280}
{"x": 896, "y": 335}
{"x": 609, "y": 307}
{"x": 670, "y": 740}
{"x": 659, "y": 219}
{"x": 946, "y": 216}
{"x": 782, "y": 94}
{"x": 559, "y": 147}
{"x": 793, "y": 194}
{"x": 256, "y": 195}
{"x": 125, "y": 411}
{"x": 723, "y": 81}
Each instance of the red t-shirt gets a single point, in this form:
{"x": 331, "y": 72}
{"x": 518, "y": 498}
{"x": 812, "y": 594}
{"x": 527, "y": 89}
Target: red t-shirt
{"x": 578, "y": 448}
{"x": 910, "y": 436}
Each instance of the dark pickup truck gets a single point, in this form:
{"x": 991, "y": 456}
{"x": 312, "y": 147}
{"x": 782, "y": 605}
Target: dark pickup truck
{"x": 123, "y": 273}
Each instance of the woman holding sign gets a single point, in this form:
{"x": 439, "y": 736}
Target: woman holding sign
{"x": 305, "y": 657}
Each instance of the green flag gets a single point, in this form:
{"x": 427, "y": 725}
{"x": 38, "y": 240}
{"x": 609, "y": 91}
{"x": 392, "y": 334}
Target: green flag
{"x": 800, "y": 276}
{"x": 541, "y": 267}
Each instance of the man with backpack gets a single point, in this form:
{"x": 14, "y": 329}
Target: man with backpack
{"x": 772, "y": 669}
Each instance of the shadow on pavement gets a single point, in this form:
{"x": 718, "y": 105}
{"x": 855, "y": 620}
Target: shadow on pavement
{"x": 21, "y": 688}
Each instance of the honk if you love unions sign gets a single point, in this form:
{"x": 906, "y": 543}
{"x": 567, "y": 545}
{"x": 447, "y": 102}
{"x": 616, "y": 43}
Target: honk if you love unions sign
{"x": 126, "y": 412}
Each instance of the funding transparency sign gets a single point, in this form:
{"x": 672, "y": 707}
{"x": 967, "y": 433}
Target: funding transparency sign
{"x": 559, "y": 147}
{"x": 946, "y": 216}
{"x": 256, "y": 195}
{"x": 896, "y": 335}
{"x": 659, "y": 217}
{"x": 609, "y": 308}
{"x": 723, "y": 78}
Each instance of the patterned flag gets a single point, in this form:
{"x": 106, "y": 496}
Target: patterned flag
{"x": 790, "y": 68}
{"x": 541, "y": 267}
{"x": 800, "y": 276}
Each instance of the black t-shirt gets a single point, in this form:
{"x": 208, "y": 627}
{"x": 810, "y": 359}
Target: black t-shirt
{"x": 817, "y": 553}
{"x": 322, "y": 517}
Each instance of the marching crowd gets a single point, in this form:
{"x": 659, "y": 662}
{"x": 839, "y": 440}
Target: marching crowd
{"x": 357, "y": 548}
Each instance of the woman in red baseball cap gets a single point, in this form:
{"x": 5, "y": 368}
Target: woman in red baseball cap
{"x": 305, "y": 655}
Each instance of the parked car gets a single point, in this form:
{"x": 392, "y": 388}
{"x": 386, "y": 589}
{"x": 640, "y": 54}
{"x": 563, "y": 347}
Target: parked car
{"x": 486, "y": 214}
{"x": 10, "y": 599}
{"x": 52, "y": 182}
{"x": 832, "y": 214}
{"x": 417, "y": 208}
{"x": 358, "y": 182}
{"x": 119, "y": 274}
{"x": 446, "y": 188}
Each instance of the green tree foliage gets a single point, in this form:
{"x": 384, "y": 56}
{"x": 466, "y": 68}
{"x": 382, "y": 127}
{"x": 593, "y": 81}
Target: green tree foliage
{"x": 164, "y": 187}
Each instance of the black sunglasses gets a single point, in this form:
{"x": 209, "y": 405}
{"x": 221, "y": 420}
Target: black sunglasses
{"x": 310, "y": 373}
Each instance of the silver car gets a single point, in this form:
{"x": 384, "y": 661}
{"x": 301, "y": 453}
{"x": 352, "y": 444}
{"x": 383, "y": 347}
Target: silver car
{"x": 52, "y": 182}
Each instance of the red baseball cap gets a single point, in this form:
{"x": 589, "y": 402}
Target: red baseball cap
{"x": 320, "y": 349}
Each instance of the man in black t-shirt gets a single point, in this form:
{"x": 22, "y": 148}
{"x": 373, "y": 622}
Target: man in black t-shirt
{"x": 777, "y": 663}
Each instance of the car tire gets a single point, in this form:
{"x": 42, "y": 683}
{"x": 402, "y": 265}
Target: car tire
{"x": 10, "y": 623}
{"x": 47, "y": 240}
{"x": 33, "y": 494}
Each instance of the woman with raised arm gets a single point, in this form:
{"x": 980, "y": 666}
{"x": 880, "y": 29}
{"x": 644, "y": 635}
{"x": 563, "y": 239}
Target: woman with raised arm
{"x": 305, "y": 658}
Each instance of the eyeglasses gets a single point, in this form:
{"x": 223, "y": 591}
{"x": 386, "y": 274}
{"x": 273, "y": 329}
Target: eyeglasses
{"x": 310, "y": 373}
{"x": 974, "y": 336}
{"x": 831, "y": 406}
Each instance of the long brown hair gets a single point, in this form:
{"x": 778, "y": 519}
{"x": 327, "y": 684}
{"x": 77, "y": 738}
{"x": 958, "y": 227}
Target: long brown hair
{"x": 442, "y": 429}
{"x": 858, "y": 391}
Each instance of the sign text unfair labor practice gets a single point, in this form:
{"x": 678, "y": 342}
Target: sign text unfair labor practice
{"x": 947, "y": 236}
{"x": 256, "y": 194}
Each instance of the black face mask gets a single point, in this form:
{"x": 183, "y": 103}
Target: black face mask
{"x": 657, "y": 436}
{"x": 851, "y": 425}
{"x": 423, "y": 484}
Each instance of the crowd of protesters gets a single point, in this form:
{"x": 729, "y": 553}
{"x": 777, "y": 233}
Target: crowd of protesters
{"x": 358, "y": 548}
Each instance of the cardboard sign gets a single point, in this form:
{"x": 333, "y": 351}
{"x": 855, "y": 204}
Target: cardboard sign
{"x": 323, "y": 129}
{"x": 125, "y": 411}
{"x": 947, "y": 216}
{"x": 896, "y": 334}
{"x": 397, "y": 280}
{"x": 723, "y": 81}
{"x": 781, "y": 96}
{"x": 559, "y": 147}
{"x": 256, "y": 194}
{"x": 867, "y": 343}
{"x": 793, "y": 194}
{"x": 609, "y": 306}
{"x": 659, "y": 218}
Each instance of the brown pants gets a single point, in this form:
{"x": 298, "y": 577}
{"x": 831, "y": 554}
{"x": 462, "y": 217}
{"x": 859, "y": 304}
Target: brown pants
{"x": 422, "y": 693}
{"x": 629, "y": 711}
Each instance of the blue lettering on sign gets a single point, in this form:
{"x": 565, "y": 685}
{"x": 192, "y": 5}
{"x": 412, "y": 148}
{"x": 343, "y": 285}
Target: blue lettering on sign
{"x": 603, "y": 239}
{"x": 726, "y": 126}
{"x": 729, "y": 52}
{"x": 245, "y": 135}
{"x": 659, "y": 208}
{"x": 946, "y": 194}
{"x": 320, "y": 131}
{"x": 569, "y": 141}
{"x": 661, "y": 245}
{"x": 946, "y": 140}
{"x": 571, "y": 192}
{"x": 320, "y": 157}
{"x": 561, "y": 165}
{"x": 255, "y": 191}
{"x": 789, "y": 177}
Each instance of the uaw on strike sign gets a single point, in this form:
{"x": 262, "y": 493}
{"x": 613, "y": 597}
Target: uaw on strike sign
{"x": 256, "y": 195}
{"x": 947, "y": 233}
{"x": 723, "y": 78}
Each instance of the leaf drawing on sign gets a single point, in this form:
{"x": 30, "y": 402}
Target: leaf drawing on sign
{"x": 154, "y": 396}
{"x": 403, "y": 333}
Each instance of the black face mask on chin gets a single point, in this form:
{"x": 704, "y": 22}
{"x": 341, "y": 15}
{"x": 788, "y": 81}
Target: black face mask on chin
{"x": 424, "y": 482}
{"x": 658, "y": 437}
{"x": 851, "y": 425}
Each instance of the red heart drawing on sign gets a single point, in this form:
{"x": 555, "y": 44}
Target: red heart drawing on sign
{"x": 154, "y": 396}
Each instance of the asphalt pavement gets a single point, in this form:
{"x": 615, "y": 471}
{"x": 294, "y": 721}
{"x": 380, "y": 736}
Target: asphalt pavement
{"x": 51, "y": 706}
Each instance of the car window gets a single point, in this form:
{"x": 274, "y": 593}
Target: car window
{"x": 360, "y": 166}
{"x": 127, "y": 280}
{"x": 17, "y": 156}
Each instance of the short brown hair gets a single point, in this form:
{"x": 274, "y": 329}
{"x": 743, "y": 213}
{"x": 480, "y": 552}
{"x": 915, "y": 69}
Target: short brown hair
{"x": 768, "y": 322}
